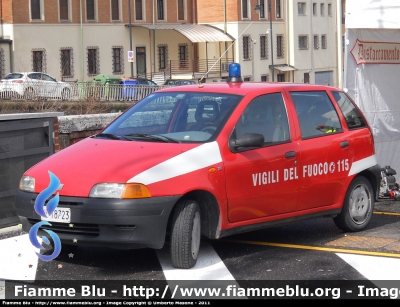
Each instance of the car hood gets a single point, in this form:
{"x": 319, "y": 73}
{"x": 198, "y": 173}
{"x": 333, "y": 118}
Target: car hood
{"x": 82, "y": 165}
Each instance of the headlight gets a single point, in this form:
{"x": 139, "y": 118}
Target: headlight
{"x": 27, "y": 183}
{"x": 120, "y": 190}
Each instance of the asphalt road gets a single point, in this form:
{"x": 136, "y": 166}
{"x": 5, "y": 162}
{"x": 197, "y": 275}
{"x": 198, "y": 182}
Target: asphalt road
{"x": 312, "y": 250}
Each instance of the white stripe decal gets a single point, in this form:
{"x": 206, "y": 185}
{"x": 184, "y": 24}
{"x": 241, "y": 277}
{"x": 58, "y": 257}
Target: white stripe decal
{"x": 189, "y": 161}
{"x": 362, "y": 164}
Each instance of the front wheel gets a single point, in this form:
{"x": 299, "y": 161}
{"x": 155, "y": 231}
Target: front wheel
{"x": 29, "y": 93}
{"x": 185, "y": 234}
{"x": 358, "y": 206}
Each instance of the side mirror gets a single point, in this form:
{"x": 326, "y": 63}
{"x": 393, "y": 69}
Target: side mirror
{"x": 248, "y": 140}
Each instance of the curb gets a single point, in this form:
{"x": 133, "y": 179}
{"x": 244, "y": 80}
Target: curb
{"x": 10, "y": 229}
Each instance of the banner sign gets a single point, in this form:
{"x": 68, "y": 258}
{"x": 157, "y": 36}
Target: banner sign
{"x": 376, "y": 52}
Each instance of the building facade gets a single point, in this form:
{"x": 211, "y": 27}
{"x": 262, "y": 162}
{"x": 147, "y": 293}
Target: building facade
{"x": 75, "y": 40}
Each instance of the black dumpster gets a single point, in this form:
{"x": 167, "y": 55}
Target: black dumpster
{"x": 25, "y": 139}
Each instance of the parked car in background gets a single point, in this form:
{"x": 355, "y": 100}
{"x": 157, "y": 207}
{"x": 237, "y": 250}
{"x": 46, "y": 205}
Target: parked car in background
{"x": 179, "y": 82}
{"x": 33, "y": 84}
{"x": 144, "y": 81}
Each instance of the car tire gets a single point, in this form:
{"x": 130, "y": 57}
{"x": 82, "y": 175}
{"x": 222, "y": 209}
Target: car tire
{"x": 29, "y": 93}
{"x": 358, "y": 206}
{"x": 185, "y": 234}
{"x": 65, "y": 94}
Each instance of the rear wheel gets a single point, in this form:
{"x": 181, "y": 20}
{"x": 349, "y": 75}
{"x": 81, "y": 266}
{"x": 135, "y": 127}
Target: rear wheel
{"x": 65, "y": 94}
{"x": 358, "y": 206}
{"x": 185, "y": 234}
{"x": 29, "y": 93}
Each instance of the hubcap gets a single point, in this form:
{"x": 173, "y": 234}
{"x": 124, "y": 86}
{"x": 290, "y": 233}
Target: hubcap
{"x": 360, "y": 204}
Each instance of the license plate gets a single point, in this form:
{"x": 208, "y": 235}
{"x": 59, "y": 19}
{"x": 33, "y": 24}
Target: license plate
{"x": 60, "y": 215}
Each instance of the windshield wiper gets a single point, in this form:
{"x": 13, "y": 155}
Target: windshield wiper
{"x": 109, "y": 136}
{"x": 156, "y": 137}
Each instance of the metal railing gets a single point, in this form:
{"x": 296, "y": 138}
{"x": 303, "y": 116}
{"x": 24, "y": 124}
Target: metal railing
{"x": 78, "y": 91}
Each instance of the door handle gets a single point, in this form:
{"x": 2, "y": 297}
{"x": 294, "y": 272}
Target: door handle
{"x": 290, "y": 155}
{"x": 344, "y": 144}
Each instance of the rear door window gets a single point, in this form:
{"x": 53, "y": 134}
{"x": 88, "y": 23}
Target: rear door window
{"x": 316, "y": 114}
{"x": 352, "y": 115}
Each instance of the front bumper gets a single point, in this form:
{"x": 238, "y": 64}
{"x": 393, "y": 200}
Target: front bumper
{"x": 115, "y": 223}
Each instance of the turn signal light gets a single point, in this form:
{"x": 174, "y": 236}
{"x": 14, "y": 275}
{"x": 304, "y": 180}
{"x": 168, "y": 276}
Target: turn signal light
{"x": 135, "y": 190}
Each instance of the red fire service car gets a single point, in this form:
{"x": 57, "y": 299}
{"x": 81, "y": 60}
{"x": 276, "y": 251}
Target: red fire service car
{"x": 211, "y": 160}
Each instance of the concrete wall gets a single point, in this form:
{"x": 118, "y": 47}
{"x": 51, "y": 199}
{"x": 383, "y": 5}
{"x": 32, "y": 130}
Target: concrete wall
{"x": 73, "y": 128}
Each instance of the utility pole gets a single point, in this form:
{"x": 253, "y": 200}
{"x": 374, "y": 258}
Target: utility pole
{"x": 272, "y": 41}
{"x": 130, "y": 34}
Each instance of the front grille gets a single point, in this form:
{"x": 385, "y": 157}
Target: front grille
{"x": 91, "y": 230}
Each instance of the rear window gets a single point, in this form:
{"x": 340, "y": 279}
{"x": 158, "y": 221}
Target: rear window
{"x": 353, "y": 116}
{"x": 13, "y": 76}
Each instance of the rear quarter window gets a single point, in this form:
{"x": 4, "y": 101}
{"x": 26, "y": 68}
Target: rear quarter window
{"x": 351, "y": 113}
{"x": 13, "y": 76}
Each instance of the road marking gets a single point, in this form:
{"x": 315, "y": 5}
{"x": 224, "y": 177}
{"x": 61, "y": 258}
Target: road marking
{"x": 317, "y": 248}
{"x": 209, "y": 267}
{"x": 378, "y": 270}
{"x": 19, "y": 254}
{"x": 387, "y": 213}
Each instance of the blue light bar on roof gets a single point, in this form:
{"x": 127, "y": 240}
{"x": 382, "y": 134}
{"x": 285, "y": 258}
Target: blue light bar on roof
{"x": 235, "y": 74}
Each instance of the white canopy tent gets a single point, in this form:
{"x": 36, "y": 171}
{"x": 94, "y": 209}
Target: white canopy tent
{"x": 372, "y": 71}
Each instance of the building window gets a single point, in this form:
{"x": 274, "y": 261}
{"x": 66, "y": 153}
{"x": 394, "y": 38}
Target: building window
{"x": 2, "y": 64}
{"x": 316, "y": 42}
{"x": 90, "y": 10}
{"x": 183, "y": 55}
{"x": 280, "y": 77}
{"x": 181, "y": 9}
{"x": 246, "y": 47}
{"x": 138, "y": 10}
{"x": 263, "y": 47}
{"x": 343, "y": 13}
{"x": 323, "y": 41}
{"x": 301, "y": 8}
{"x": 262, "y": 8}
{"x": 36, "y": 9}
{"x": 245, "y": 13}
{"x": 115, "y": 10}
{"x": 64, "y": 10}
{"x": 39, "y": 60}
{"x": 278, "y": 8}
{"x": 66, "y": 62}
{"x": 279, "y": 46}
{"x": 264, "y": 78}
{"x": 247, "y": 78}
{"x": 329, "y": 9}
{"x": 322, "y": 9}
{"x": 303, "y": 42}
{"x": 160, "y": 9}
{"x": 117, "y": 60}
{"x": 162, "y": 57}
{"x": 93, "y": 65}
{"x": 314, "y": 9}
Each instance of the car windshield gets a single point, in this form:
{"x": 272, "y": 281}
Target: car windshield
{"x": 13, "y": 76}
{"x": 174, "y": 117}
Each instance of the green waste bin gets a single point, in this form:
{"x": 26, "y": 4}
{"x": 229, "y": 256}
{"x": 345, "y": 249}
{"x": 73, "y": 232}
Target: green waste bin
{"x": 86, "y": 89}
{"x": 109, "y": 85}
